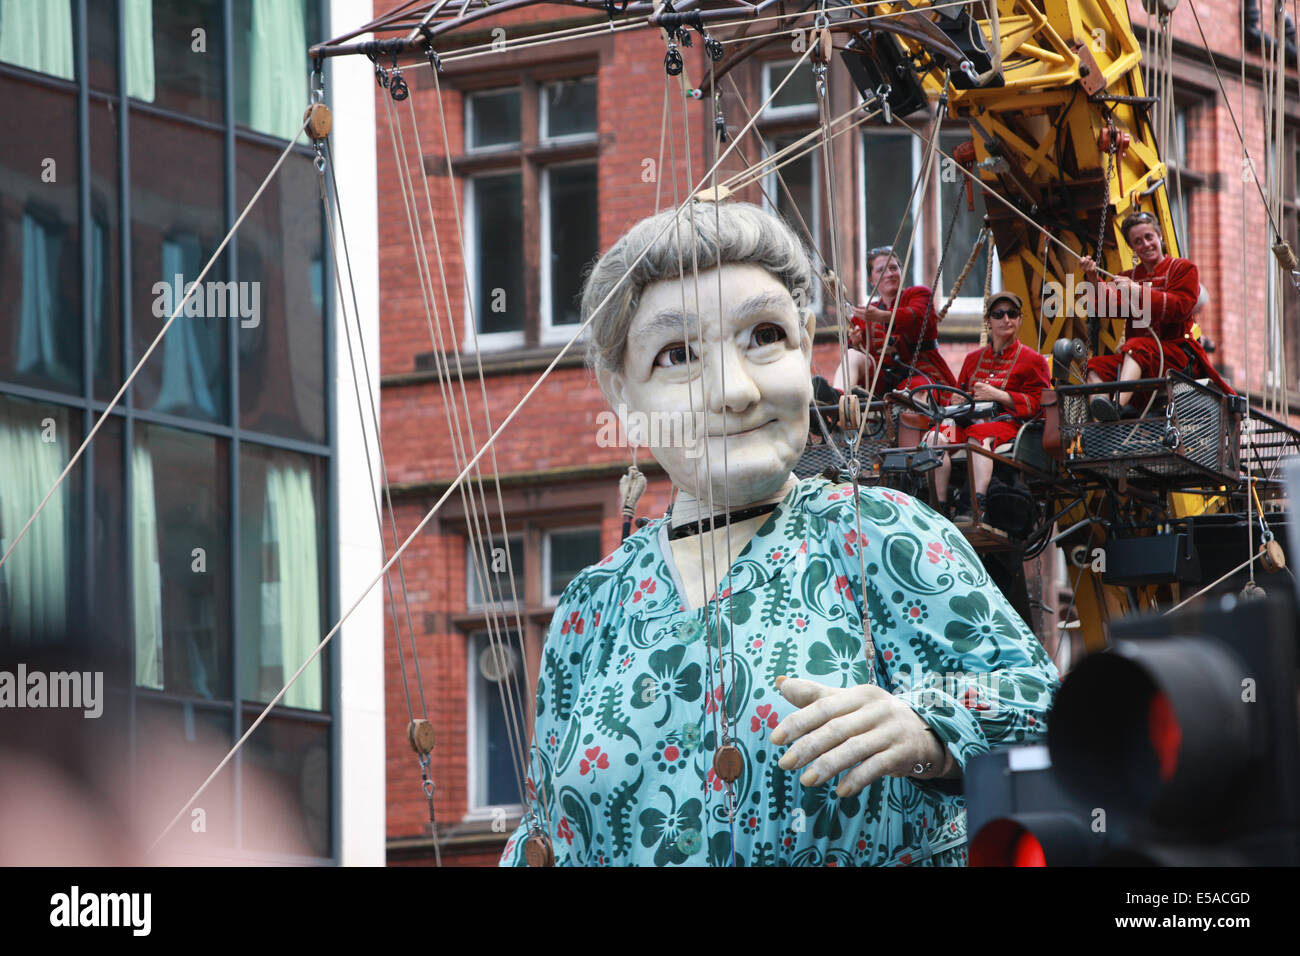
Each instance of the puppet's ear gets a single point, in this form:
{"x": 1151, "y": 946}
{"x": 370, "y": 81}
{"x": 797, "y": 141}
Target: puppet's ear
{"x": 809, "y": 326}
{"x": 611, "y": 384}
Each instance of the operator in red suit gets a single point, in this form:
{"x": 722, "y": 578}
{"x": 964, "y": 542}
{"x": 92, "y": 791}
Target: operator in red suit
{"x": 913, "y": 340}
{"x": 1005, "y": 371}
{"x": 1167, "y": 305}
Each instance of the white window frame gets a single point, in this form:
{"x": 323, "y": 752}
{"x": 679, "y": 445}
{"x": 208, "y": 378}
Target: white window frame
{"x": 543, "y": 114}
{"x": 918, "y": 238}
{"x": 547, "y": 598}
{"x": 487, "y": 341}
{"x": 469, "y": 123}
{"x": 963, "y": 307}
{"x": 803, "y": 111}
{"x": 549, "y": 332}
{"x": 772, "y": 191}
{"x": 471, "y": 577}
{"x": 477, "y": 807}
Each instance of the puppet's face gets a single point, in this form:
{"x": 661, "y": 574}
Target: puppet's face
{"x": 739, "y": 374}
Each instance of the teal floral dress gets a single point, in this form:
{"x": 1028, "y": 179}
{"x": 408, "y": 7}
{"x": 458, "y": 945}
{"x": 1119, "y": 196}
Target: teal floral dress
{"x": 631, "y": 694}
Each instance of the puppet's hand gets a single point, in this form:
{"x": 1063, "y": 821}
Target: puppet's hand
{"x": 863, "y": 727}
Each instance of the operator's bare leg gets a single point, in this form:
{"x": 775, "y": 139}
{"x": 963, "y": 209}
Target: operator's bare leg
{"x": 942, "y": 473}
{"x": 1128, "y": 371}
{"x": 983, "y": 468}
{"x": 852, "y": 372}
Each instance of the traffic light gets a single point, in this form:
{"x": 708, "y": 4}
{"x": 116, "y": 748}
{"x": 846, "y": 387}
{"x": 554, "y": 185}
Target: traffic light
{"x": 1178, "y": 746}
{"x": 1184, "y": 734}
{"x": 1019, "y": 816}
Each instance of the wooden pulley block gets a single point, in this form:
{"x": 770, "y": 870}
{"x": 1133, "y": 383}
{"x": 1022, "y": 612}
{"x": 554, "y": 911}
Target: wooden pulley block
{"x": 421, "y": 735}
{"x": 1271, "y": 556}
{"x": 318, "y": 120}
{"x": 823, "y": 51}
{"x": 728, "y": 762}
{"x": 538, "y": 850}
{"x": 850, "y": 411}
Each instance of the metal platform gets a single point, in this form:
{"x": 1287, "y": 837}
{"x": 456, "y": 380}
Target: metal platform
{"x": 1191, "y": 436}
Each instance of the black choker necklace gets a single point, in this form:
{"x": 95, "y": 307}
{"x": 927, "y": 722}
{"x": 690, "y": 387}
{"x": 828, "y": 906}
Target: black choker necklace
{"x": 708, "y": 524}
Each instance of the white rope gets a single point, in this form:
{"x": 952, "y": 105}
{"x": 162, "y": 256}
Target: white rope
{"x": 923, "y": 181}
{"x": 494, "y": 614}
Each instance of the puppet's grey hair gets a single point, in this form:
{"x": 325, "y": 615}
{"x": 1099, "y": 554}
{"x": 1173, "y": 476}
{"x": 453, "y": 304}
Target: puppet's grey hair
{"x": 735, "y": 233}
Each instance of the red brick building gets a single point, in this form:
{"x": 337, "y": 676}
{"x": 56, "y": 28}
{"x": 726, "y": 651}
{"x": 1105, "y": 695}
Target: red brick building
{"x": 554, "y": 151}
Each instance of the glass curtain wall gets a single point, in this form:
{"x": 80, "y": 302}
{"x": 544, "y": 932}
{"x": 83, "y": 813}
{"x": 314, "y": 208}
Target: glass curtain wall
{"x": 193, "y": 539}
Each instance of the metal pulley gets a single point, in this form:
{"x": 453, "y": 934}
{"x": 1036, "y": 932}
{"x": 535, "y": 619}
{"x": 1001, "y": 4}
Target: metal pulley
{"x": 397, "y": 88}
{"x": 673, "y": 61}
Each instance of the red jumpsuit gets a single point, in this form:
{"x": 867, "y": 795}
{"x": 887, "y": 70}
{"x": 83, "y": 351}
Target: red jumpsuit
{"x": 1020, "y": 372}
{"x": 1174, "y": 288}
{"x": 914, "y": 338}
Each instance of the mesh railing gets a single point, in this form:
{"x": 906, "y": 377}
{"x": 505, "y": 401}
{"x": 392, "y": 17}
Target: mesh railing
{"x": 1189, "y": 433}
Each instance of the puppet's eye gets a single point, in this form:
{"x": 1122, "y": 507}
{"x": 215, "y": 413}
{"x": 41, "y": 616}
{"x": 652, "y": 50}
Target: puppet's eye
{"x": 674, "y": 355}
{"x": 768, "y": 334}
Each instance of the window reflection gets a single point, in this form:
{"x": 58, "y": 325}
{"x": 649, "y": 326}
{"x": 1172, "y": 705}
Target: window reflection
{"x": 40, "y": 249}
{"x": 35, "y": 580}
{"x": 887, "y": 186}
{"x": 493, "y": 119}
{"x": 177, "y": 219}
{"x": 104, "y": 281}
{"x": 497, "y": 222}
{"x": 966, "y": 229}
{"x": 38, "y": 36}
{"x": 282, "y": 348}
{"x": 181, "y": 592}
{"x": 567, "y": 553}
{"x": 569, "y": 108}
{"x": 174, "y": 55}
{"x": 572, "y": 238}
{"x": 281, "y": 575}
{"x": 270, "y": 38}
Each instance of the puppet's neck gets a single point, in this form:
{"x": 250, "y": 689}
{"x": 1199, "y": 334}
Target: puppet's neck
{"x": 688, "y": 509}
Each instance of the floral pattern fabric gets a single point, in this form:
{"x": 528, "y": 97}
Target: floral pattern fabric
{"x": 634, "y": 687}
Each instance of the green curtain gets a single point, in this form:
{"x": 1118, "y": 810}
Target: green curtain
{"x": 291, "y": 619}
{"x": 35, "y": 577}
{"x": 139, "y": 49}
{"x": 146, "y": 575}
{"x": 277, "y": 83}
{"x": 37, "y": 35}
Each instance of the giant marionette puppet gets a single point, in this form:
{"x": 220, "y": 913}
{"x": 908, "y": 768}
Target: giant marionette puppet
{"x": 776, "y": 671}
